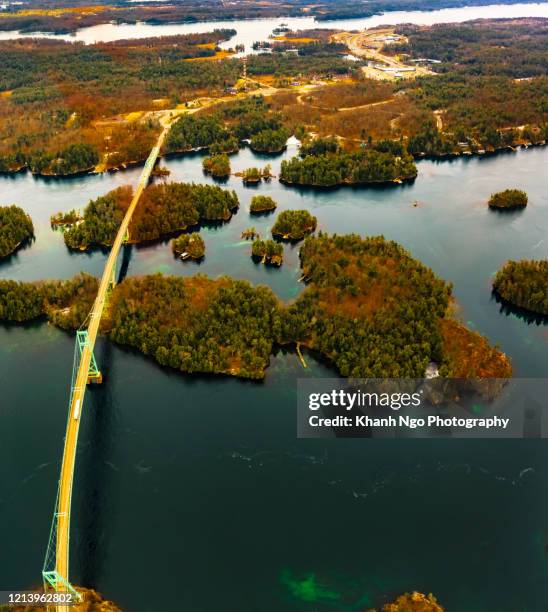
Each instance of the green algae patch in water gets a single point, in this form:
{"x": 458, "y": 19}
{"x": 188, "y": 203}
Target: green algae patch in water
{"x": 308, "y": 589}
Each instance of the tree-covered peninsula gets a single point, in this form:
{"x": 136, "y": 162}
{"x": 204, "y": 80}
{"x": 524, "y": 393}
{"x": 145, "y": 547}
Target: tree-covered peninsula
{"x": 326, "y": 164}
{"x": 524, "y": 284}
{"x": 294, "y": 224}
{"x": 508, "y": 199}
{"x": 15, "y": 227}
{"x": 375, "y": 311}
{"x": 65, "y": 303}
{"x": 163, "y": 209}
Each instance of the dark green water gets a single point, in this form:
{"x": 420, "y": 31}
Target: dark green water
{"x": 194, "y": 493}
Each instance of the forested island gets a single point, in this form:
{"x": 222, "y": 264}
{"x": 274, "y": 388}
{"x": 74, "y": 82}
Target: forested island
{"x": 376, "y": 312}
{"x": 524, "y": 284}
{"x": 190, "y": 244}
{"x": 163, "y": 209}
{"x": 413, "y": 602}
{"x": 508, "y": 199}
{"x": 368, "y": 307}
{"x": 268, "y": 251}
{"x": 261, "y": 204}
{"x": 15, "y": 228}
{"x": 253, "y": 176}
{"x": 217, "y": 165}
{"x": 294, "y": 224}
{"x": 197, "y": 324}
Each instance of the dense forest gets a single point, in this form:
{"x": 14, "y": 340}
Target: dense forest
{"x": 509, "y": 198}
{"x": 369, "y": 307}
{"x": 163, "y": 209}
{"x": 491, "y": 92}
{"x": 495, "y": 97}
{"x": 65, "y": 303}
{"x": 248, "y": 119}
{"x": 190, "y": 132}
{"x": 101, "y": 219}
{"x": 191, "y": 244}
{"x": 15, "y": 227}
{"x": 197, "y": 324}
{"x": 492, "y": 79}
{"x": 516, "y": 48}
{"x": 524, "y": 284}
{"x": 324, "y": 164}
{"x": 55, "y": 121}
{"x": 294, "y": 224}
{"x": 375, "y": 311}
{"x": 269, "y": 141}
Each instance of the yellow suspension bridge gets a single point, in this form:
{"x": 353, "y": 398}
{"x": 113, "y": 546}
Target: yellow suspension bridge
{"x": 56, "y": 565}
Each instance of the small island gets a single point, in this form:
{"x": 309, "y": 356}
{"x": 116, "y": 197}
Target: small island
{"x": 524, "y": 284}
{"x": 189, "y": 246}
{"x": 254, "y": 175}
{"x": 268, "y": 252}
{"x": 217, "y": 165}
{"x": 413, "y": 602}
{"x": 509, "y": 199}
{"x": 261, "y": 204}
{"x": 251, "y": 176}
{"x": 250, "y": 233}
{"x": 15, "y": 228}
{"x": 163, "y": 210}
{"x": 294, "y": 224}
{"x": 160, "y": 172}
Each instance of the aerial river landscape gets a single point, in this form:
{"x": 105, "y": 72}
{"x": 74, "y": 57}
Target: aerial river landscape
{"x": 197, "y": 485}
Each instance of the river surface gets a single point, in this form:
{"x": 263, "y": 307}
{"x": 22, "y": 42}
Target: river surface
{"x": 193, "y": 493}
{"x": 249, "y": 31}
